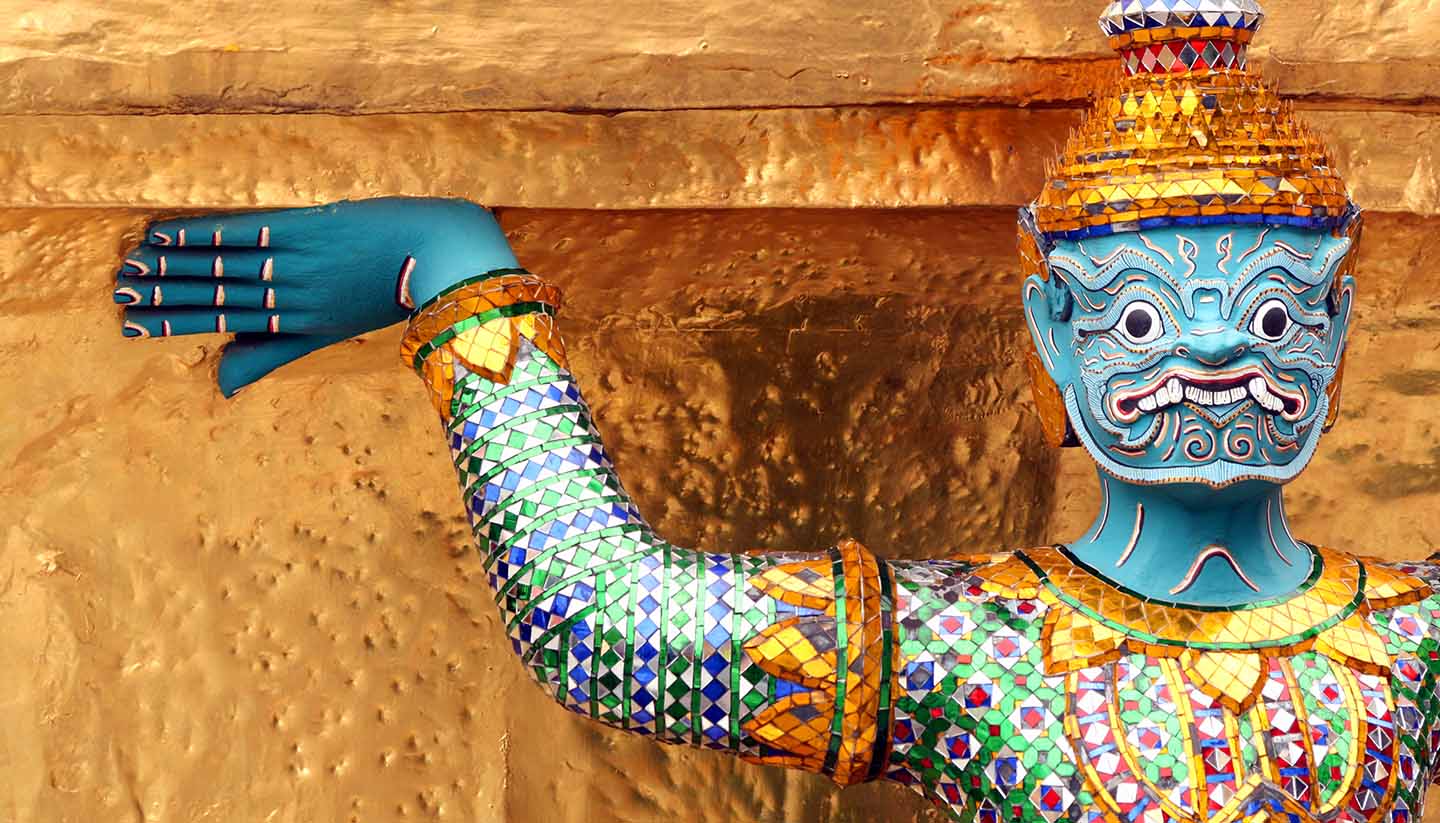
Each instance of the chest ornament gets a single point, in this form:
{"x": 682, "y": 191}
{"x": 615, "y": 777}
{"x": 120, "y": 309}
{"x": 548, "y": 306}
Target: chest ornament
{"x": 1223, "y": 651}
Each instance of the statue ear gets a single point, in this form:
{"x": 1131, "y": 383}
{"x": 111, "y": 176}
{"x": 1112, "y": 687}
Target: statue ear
{"x": 1062, "y": 301}
{"x": 1048, "y": 306}
{"x": 1339, "y": 301}
{"x": 1048, "y": 303}
{"x": 1045, "y": 308}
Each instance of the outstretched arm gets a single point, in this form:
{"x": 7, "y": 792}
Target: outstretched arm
{"x": 782, "y": 659}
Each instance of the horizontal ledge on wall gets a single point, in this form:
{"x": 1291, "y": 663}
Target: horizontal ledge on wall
{"x": 191, "y": 86}
{"x": 120, "y": 56}
{"x": 862, "y": 157}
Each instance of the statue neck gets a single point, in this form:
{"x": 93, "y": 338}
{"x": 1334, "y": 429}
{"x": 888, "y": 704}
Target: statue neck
{"x": 1192, "y": 544}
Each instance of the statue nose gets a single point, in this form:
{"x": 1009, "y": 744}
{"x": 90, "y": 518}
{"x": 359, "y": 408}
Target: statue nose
{"x": 1214, "y": 346}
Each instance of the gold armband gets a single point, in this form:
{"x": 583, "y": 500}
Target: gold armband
{"x": 478, "y": 324}
{"x": 844, "y": 651}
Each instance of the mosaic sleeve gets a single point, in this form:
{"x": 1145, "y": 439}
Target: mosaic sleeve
{"x": 782, "y": 659}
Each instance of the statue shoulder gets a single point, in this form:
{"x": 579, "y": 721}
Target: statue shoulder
{"x": 1391, "y": 583}
{"x": 1426, "y": 571}
{"x": 1401, "y": 599}
{"x": 960, "y": 574}
{"x": 970, "y": 579}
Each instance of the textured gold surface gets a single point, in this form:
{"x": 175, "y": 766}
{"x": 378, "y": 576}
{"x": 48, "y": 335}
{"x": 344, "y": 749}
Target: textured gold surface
{"x": 242, "y": 611}
{"x": 794, "y": 157}
{"x": 428, "y": 55}
{"x": 813, "y": 158}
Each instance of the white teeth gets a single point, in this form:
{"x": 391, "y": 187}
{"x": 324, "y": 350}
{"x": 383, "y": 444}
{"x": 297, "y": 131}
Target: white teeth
{"x": 1261, "y": 392}
{"x": 1173, "y": 391}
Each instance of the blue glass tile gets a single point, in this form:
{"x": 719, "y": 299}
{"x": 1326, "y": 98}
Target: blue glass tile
{"x": 718, "y": 636}
{"x": 785, "y": 688}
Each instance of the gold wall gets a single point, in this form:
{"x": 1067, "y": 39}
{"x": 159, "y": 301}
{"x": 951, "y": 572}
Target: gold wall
{"x": 785, "y": 231}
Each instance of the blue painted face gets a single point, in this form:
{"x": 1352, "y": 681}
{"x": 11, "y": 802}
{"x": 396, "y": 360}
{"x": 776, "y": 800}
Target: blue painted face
{"x": 1195, "y": 356}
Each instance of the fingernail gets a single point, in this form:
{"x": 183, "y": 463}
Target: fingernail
{"x": 140, "y": 268}
{"x": 133, "y": 330}
{"x": 125, "y": 296}
{"x": 160, "y": 238}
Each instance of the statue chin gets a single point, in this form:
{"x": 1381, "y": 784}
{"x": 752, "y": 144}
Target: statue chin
{"x": 1206, "y": 464}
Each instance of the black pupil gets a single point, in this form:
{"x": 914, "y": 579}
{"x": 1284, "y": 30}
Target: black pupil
{"x": 1137, "y": 323}
{"x": 1273, "y": 321}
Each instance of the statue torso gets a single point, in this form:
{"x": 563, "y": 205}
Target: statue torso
{"x": 1032, "y": 690}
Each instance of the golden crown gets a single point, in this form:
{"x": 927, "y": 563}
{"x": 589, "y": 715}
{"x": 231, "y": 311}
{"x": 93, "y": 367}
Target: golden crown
{"x": 1187, "y": 135}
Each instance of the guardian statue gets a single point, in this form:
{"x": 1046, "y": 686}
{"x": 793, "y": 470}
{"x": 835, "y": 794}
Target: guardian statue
{"x": 1188, "y": 285}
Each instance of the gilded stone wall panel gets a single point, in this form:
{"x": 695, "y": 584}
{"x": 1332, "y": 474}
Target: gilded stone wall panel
{"x": 817, "y": 158}
{"x": 85, "y": 56}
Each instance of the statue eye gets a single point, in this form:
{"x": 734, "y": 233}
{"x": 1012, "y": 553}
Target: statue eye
{"x": 1140, "y": 322}
{"x": 1271, "y": 321}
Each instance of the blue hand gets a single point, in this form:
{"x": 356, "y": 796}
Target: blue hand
{"x": 291, "y": 281}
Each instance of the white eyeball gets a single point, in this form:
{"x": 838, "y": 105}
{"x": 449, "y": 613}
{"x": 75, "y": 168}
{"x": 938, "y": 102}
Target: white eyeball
{"x": 1140, "y": 323}
{"x": 1271, "y": 320}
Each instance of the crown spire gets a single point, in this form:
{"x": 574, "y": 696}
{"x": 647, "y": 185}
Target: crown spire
{"x": 1169, "y": 36}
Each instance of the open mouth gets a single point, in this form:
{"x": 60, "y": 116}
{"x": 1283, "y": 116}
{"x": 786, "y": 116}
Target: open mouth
{"x": 1208, "y": 389}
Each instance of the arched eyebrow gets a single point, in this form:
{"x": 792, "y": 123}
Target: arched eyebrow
{"x": 1295, "y": 261}
{"x": 1096, "y": 273}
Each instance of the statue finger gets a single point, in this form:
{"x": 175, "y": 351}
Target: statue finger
{"x": 195, "y": 291}
{"x": 257, "y": 229}
{"x": 171, "y": 322}
{"x": 249, "y": 264}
